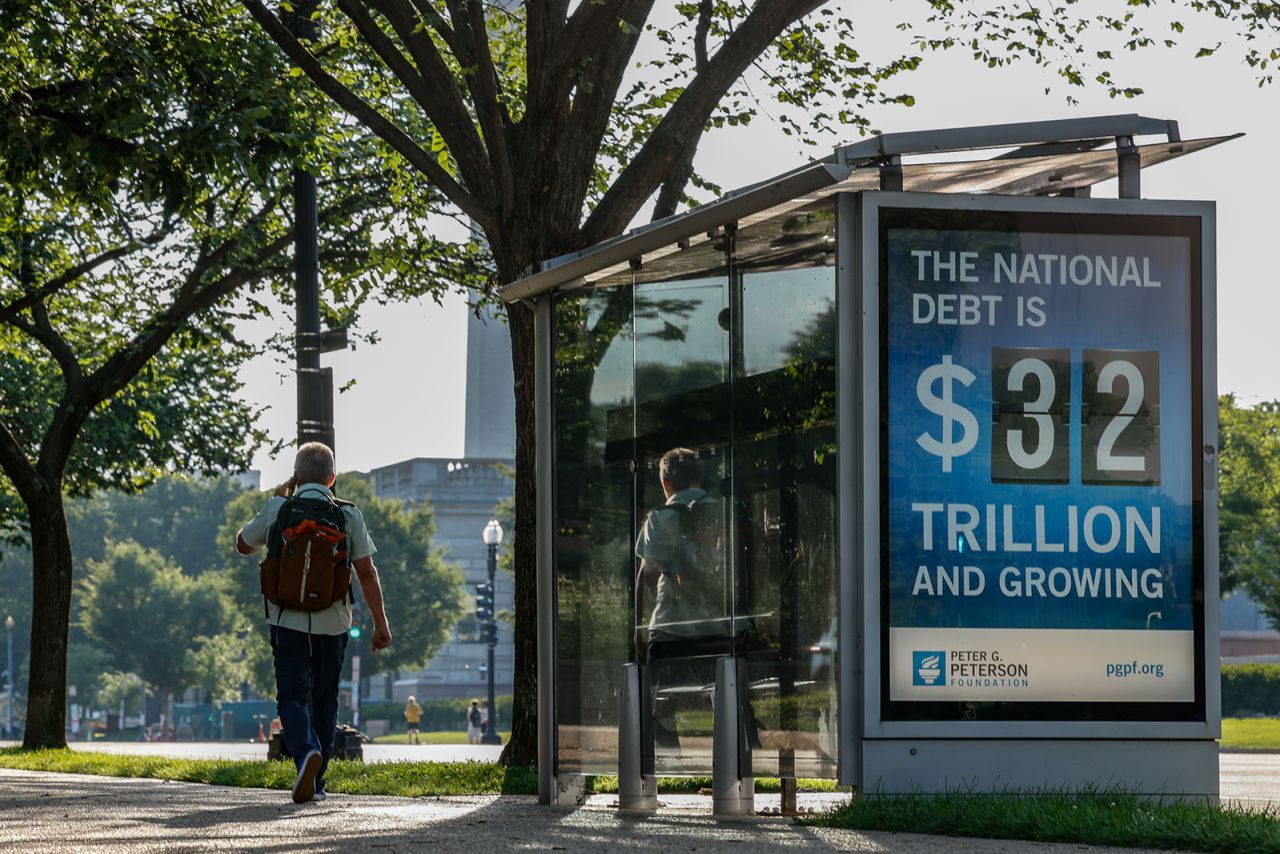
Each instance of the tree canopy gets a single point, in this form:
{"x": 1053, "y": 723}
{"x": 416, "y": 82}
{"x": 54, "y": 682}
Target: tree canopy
{"x": 147, "y": 152}
{"x": 1249, "y": 501}
{"x": 144, "y": 611}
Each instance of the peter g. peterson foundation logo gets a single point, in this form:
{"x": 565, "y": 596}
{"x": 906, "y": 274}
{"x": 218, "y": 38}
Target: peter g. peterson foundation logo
{"x": 928, "y": 668}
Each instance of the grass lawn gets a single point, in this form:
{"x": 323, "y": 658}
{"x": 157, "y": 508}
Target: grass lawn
{"x": 402, "y": 779}
{"x": 1251, "y": 733}
{"x": 406, "y": 779}
{"x": 1101, "y": 818}
{"x": 432, "y": 738}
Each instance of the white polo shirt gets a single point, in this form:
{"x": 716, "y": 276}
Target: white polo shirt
{"x": 336, "y": 619}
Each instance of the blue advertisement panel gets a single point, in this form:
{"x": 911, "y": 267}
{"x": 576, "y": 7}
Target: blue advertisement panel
{"x": 1040, "y": 483}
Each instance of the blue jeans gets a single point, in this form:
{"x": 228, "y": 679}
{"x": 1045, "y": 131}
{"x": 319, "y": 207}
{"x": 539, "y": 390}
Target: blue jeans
{"x": 308, "y": 670}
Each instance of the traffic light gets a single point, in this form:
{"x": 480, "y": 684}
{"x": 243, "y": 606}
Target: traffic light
{"x": 355, "y": 631}
{"x": 489, "y": 633}
{"x": 484, "y": 602}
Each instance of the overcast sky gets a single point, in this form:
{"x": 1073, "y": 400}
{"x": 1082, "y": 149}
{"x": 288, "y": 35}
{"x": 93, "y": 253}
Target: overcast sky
{"x": 410, "y": 396}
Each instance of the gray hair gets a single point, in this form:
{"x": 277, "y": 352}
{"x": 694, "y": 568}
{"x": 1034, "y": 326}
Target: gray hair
{"x": 314, "y": 463}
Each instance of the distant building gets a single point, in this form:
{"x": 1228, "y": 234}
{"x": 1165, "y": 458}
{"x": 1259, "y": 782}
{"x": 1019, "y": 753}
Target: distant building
{"x": 251, "y": 479}
{"x": 491, "y": 399}
{"x": 464, "y": 493}
{"x": 1246, "y": 632}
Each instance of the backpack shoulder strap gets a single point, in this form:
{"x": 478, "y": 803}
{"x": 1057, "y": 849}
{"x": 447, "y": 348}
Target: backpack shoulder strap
{"x": 275, "y": 532}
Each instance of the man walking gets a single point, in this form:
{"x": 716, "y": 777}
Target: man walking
{"x": 308, "y": 645}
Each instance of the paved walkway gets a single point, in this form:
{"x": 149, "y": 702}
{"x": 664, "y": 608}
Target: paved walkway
{"x": 61, "y": 812}
{"x": 1250, "y": 779}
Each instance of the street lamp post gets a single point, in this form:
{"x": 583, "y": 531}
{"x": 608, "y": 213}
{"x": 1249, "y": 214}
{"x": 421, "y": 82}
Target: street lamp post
{"x": 8, "y": 724}
{"x": 492, "y": 538}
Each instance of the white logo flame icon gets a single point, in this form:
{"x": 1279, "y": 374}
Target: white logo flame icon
{"x": 929, "y": 670}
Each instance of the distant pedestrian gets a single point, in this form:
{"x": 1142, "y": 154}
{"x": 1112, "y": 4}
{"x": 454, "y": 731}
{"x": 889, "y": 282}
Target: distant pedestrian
{"x": 412, "y": 717}
{"x": 475, "y": 723}
{"x": 312, "y": 541}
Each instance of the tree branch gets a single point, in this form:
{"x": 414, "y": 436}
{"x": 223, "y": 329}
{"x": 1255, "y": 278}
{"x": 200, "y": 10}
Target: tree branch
{"x": 387, "y": 51}
{"x": 62, "y": 280}
{"x": 19, "y": 470}
{"x": 591, "y": 47}
{"x": 606, "y": 50}
{"x": 672, "y": 191}
{"x": 678, "y": 132}
{"x": 589, "y": 26}
{"x": 369, "y": 116}
{"x": 437, "y": 22}
{"x": 536, "y": 28}
{"x": 444, "y": 104}
{"x": 42, "y": 330}
{"x": 484, "y": 94}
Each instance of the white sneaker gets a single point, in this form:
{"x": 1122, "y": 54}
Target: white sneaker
{"x": 319, "y": 796}
{"x": 304, "y": 788}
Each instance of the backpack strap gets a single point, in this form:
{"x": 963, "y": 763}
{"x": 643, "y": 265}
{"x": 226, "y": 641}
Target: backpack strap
{"x": 342, "y": 505}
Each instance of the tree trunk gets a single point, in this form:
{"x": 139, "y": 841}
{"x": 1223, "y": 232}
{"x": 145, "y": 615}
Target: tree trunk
{"x": 522, "y": 749}
{"x": 50, "y": 621}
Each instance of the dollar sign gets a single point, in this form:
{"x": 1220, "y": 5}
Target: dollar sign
{"x": 951, "y": 412}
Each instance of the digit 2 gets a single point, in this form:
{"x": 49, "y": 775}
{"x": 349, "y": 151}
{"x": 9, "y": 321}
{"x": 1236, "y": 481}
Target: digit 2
{"x": 1120, "y": 417}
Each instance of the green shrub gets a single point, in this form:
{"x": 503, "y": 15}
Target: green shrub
{"x": 1249, "y": 690}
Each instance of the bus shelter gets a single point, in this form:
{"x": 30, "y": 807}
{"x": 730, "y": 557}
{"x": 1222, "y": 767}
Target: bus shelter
{"x": 897, "y": 469}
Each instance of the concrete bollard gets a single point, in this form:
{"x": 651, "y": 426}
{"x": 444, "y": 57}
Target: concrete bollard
{"x": 636, "y": 790}
{"x": 732, "y": 794}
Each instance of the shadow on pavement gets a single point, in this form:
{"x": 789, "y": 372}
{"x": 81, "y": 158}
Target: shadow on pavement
{"x": 62, "y": 812}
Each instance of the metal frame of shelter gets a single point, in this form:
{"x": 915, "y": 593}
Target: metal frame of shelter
{"x": 1063, "y": 158}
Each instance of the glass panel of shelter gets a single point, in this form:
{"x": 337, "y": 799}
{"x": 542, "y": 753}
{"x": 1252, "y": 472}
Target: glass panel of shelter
{"x": 731, "y": 357}
{"x": 784, "y": 437}
{"x": 594, "y": 527}
{"x": 684, "y": 597}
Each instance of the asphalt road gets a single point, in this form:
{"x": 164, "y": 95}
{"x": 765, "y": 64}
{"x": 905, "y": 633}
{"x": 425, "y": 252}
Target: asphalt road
{"x": 68, "y": 812}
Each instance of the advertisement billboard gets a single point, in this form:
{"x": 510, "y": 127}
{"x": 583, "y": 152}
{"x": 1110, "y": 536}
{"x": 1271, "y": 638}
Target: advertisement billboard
{"x": 1040, "y": 476}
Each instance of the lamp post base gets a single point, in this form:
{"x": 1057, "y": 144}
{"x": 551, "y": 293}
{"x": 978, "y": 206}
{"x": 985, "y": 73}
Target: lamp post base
{"x": 491, "y": 738}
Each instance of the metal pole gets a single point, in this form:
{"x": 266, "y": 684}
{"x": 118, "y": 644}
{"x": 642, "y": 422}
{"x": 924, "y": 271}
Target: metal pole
{"x": 550, "y": 786}
{"x": 8, "y": 726}
{"x": 355, "y": 687}
{"x": 355, "y": 663}
{"x": 313, "y": 425}
{"x": 1128, "y": 168}
{"x": 490, "y": 731}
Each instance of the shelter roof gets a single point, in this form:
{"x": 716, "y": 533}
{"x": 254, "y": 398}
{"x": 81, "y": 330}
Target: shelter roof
{"x": 1034, "y": 158}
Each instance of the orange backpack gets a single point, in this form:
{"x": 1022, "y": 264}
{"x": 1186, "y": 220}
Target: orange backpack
{"x": 307, "y": 567}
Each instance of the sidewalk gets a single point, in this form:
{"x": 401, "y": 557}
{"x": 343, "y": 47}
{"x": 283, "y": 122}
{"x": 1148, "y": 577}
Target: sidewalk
{"x": 61, "y": 812}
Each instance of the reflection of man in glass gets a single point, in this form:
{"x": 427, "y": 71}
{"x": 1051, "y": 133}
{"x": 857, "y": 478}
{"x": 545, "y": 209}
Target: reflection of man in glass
{"x": 681, "y": 573}
{"x": 681, "y": 558}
